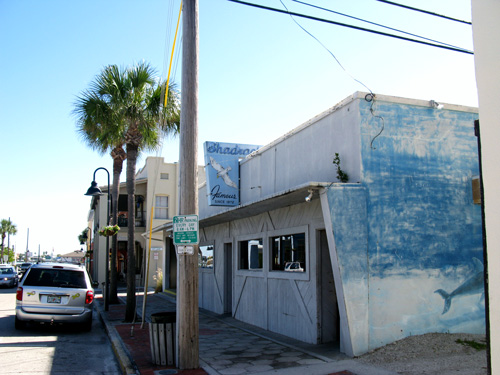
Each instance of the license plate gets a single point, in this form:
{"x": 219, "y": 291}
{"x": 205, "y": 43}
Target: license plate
{"x": 53, "y": 299}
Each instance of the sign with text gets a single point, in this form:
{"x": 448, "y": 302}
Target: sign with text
{"x": 222, "y": 170}
{"x": 185, "y": 250}
{"x": 185, "y": 228}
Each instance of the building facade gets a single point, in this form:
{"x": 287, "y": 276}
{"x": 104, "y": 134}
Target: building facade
{"x": 156, "y": 198}
{"x": 394, "y": 251}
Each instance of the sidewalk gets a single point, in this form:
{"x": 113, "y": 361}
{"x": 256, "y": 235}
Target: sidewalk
{"x": 226, "y": 346}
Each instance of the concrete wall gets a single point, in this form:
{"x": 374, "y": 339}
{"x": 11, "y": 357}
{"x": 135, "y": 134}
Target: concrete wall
{"x": 422, "y": 232}
{"x": 486, "y": 31}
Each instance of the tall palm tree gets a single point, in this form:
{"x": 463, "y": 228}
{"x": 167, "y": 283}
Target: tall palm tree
{"x": 6, "y": 227}
{"x": 99, "y": 126}
{"x": 134, "y": 114}
{"x": 146, "y": 124}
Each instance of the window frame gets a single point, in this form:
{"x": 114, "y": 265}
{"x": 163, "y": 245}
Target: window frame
{"x": 162, "y": 207}
{"x": 207, "y": 269}
{"x": 281, "y": 274}
{"x": 248, "y": 271}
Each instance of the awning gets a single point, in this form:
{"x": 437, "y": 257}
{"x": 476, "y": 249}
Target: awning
{"x": 281, "y": 199}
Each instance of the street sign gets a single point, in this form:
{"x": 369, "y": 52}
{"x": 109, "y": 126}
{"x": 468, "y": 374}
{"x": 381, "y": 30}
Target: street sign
{"x": 185, "y": 250}
{"x": 185, "y": 228}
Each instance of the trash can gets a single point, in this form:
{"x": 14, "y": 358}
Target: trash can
{"x": 162, "y": 338}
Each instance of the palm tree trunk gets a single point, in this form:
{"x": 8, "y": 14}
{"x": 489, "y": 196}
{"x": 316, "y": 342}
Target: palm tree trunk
{"x": 118, "y": 157}
{"x": 1, "y": 255}
{"x": 132, "y": 151}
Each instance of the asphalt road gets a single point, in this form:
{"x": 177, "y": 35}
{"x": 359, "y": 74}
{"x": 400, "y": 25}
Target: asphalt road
{"x": 54, "y": 350}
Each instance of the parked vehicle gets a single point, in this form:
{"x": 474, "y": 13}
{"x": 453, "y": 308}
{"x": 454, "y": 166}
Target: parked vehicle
{"x": 55, "y": 293}
{"x": 23, "y": 267}
{"x": 8, "y": 276}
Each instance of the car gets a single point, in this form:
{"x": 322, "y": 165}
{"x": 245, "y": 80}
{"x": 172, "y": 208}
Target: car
{"x": 8, "y": 276}
{"x": 23, "y": 267}
{"x": 55, "y": 293}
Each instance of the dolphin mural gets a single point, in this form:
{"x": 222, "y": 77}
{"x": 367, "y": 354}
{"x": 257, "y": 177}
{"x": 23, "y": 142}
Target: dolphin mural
{"x": 473, "y": 285}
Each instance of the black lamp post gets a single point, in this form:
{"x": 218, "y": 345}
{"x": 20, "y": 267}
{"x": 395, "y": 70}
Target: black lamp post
{"x": 95, "y": 191}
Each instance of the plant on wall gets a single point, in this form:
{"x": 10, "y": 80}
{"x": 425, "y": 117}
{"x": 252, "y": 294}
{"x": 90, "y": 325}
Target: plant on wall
{"x": 341, "y": 175}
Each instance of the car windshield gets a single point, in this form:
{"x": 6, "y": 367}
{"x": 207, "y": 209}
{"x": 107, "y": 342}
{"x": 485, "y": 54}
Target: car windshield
{"x": 6, "y": 271}
{"x": 55, "y": 278}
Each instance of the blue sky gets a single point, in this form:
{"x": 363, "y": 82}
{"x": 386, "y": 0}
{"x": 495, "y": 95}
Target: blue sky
{"x": 260, "y": 75}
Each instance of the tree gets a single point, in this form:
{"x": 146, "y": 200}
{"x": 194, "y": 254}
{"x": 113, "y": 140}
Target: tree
{"x": 6, "y": 228}
{"x": 100, "y": 126}
{"x": 11, "y": 254}
{"x": 124, "y": 107}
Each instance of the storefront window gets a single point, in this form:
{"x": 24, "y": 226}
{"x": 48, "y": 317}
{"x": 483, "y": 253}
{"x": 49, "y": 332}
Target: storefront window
{"x": 289, "y": 253}
{"x": 251, "y": 255}
{"x": 206, "y": 256}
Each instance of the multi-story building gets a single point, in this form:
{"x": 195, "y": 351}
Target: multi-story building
{"x": 156, "y": 190}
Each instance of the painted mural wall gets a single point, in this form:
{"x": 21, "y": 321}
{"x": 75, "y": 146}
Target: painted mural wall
{"x": 409, "y": 239}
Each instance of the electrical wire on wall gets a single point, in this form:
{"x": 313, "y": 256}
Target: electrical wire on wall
{"x": 370, "y": 98}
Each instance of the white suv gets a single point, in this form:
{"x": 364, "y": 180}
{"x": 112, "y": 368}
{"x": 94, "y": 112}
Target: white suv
{"x": 55, "y": 293}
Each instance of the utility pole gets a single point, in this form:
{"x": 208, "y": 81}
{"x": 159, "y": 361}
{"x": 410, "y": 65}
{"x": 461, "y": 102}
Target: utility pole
{"x": 187, "y": 286}
{"x": 27, "y": 245}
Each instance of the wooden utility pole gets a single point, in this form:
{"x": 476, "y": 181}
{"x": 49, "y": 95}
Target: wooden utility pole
{"x": 187, "y": 286}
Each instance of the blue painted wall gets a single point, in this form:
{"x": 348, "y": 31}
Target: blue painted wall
{"x": 423, "y": 248}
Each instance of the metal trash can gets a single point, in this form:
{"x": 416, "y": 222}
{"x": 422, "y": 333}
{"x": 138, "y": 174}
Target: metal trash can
{"x": 162, "y": 338}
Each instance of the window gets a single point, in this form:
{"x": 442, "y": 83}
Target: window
{"x": 56, "y": 278}
{"x": 289, "y": 253}
{"x": 164, "y": 176}
{"x": 251, "y": 254}
{"x": 206, "y": 257}
{"x": 161, "y": 207}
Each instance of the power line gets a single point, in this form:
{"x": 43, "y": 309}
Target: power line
{"x": 330, "y": 52}
{"x": 355, "y": 27}
{"x": 373, "y": 23}
{"x": 425, "y": 11}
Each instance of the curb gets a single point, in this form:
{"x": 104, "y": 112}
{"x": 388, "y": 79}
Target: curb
{"x": 126, "y": 363}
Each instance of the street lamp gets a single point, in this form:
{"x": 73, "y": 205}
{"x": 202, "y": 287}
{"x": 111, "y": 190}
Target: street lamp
{"x": 95, "y": 191}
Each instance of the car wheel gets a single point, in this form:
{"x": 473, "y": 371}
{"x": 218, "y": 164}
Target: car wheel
{"x": 19, "y": 324}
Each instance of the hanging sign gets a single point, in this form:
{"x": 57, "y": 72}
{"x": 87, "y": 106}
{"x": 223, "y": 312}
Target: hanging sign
{"x": 222, "y": 170}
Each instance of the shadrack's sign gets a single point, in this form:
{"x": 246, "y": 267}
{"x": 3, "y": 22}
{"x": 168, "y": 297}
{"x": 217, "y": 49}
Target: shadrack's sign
{"x": 222, "y": 169}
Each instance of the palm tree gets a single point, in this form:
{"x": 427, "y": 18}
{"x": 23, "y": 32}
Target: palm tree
{"x": 100, "y": 127}
{"x": 6, "y": 227}
{"x": 129, "y": 112}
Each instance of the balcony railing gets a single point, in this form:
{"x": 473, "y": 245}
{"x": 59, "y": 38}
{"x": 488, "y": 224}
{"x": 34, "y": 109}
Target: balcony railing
{"x": 123, "y": 222}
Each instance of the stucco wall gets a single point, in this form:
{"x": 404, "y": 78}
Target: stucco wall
{"x": 486, "y": 30}
{"x": 349, "y": 251}
{"x": 423, "y": 230}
